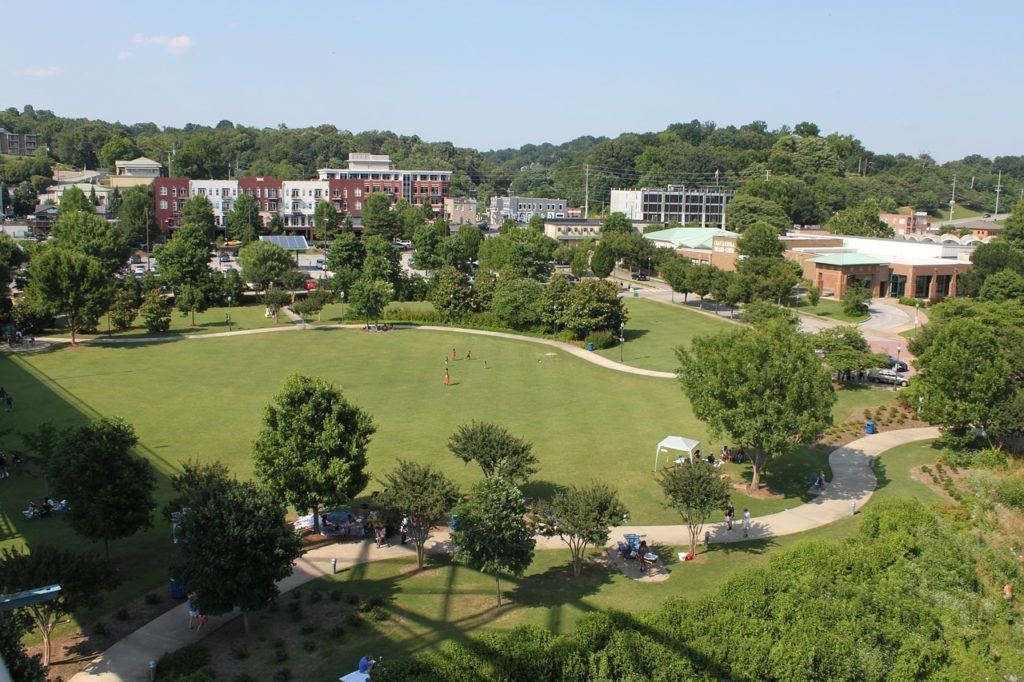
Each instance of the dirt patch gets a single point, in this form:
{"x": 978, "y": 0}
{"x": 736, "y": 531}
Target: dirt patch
{"x": 74, "y": 651}
{"x": 887, "y": 418}
{"x": 762, "y": 493}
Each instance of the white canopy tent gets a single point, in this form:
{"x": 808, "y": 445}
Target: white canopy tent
{"x": 676, "y": 444}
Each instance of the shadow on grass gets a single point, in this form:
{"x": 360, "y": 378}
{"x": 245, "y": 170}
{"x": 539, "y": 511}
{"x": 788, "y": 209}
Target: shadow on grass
{"x": 790, "y": 475}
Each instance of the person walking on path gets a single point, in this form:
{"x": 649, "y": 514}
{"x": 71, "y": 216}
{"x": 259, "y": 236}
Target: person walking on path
{"x": 403, "y": 528}
{"x": 730, "y": 512}
{"x": 746, "y": 522}
{"x": 193, "y": 611}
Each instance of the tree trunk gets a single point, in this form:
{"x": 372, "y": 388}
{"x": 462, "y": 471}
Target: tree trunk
{"x": 497, "y": 588}
{"x": 316, "y": 519}
{"x": 47, "y": 632}
{"x": 758, "y": 462}
{"x": 420, "y": 554}
{"x": 245, "y": 622}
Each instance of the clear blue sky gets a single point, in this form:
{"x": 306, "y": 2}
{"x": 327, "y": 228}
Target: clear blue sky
{"x": 939, "y": 77}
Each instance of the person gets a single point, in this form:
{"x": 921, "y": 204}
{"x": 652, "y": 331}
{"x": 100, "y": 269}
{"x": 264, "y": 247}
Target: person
{"x": 1007, "y": 591}
{"x": 447, "y": 378}
{"x": 3, "y": 467}
{"x": 446, "y": 362}
{"x": 485, "y": 365}
{"x": 730, "y": 512}
{"x": 711, "y": 459}
{"x": 366, "y": 664}
{"x": 9, "y": 403}
{"x": 821, "y": 480}
{"x": 641, "y": 552}
{"x": 454, "y": 357}
{"x": 404, "y": 528}
{"x": 814, "y": 485}
{"x": 741, "y": 455}
{"x": 469, "y": 355}
{"x": 746, "y": 522}
{"x": 3, "y": 393}
{"x": 193, "y": 610}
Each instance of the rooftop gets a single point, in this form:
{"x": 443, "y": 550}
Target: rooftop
{"x": 689, "y": 237}
{"x": 141, "y": 162}
{"x": 843, "y": 259}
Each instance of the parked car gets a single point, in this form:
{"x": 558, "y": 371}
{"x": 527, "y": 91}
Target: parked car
{"x": 898, "y": 365}
{"x": 571, "y": 277}
{"x": 639, "y": 277}
{"x": 224, "y": 258}
{"x": 887, "y": 376}
{"x": 310, "y": 284}
{"x": 319, "y": 263}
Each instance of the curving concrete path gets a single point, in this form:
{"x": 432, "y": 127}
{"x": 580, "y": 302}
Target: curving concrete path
{"x": 299, "y": 326}
{"x": 852, "y": 484}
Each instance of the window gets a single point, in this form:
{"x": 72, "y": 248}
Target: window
{"x": 163, "y": 204}
{"x": 359, "y": 204}
{"x": 163, "y": 191}
{"x": 272, "y": 205}
{"x": 359, "y": 193}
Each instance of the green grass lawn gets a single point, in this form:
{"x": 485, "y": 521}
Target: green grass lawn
{"x": 204, "y": 400}
{"x": 448, "y": 602}
{"x": 828, "y": 308}
{"x": 654, "y": 330}
{"x": 252, "y": 316}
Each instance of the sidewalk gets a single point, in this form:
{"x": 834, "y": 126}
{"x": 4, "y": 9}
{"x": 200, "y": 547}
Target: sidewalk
{"x": 850, "y": 488}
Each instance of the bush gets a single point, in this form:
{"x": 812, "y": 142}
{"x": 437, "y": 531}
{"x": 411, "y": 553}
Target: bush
{"x": 240, "y": 651}
{"x": 351, "y": 598}
{"x": 152, "y": 598}
{"x": 122, "y": 614}
{"x": 1011, "y": 493}
{"x": 186, "y": 660}
{"x": 913, "y": 302}
{"x": 281, "y": 675}
{"x": 100, "y": 629}
{"x": 337, "y": 631}
{"x": 309, "y": 645}
{"x": 309, "y": 628}
{"x": 990, "y": 458}
{"x": 602, "y": 339}
{"x": 315, "y": 597}
{"x": 335, "y": 595}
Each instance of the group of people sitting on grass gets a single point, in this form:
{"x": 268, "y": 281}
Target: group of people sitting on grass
{"x": 43, "y": 508}
{"x": 726, "y": 455}
{"x": 378, "y": 327}
{"x": 6, "y": 399}
{"x": 4, "y": 473}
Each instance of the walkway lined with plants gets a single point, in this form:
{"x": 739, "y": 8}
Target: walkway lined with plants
{"x": 852, "y": 484}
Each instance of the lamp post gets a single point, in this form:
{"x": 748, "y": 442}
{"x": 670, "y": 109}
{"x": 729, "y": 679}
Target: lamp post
{"x": 896, "y": 369}
{"x": 622, "y": 338}
{"x": 554, "y": 319}
{"x": 228, "y": 316}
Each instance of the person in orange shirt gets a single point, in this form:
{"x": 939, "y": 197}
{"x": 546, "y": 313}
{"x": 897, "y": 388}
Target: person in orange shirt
{"x": 447, "y": 378}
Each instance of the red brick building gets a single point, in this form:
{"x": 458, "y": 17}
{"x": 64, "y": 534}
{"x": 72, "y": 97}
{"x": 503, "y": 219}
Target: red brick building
{"x": 169, "y": 195}
{"x": 266, "y": 191}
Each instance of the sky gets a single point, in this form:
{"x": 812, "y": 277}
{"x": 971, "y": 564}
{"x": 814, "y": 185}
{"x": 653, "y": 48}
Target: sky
{"x": 938, "y": 77}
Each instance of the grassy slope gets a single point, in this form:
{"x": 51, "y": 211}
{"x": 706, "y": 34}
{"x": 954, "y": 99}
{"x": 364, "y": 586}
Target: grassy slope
{"x": 830, "y": 309}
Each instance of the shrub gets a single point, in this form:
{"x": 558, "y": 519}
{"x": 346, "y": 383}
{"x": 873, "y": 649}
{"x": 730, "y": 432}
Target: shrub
{"x": 122, "y": 614}
{"x": 309, "y": 628}
{"x": 315, "y": 596}
{"x": 351, "y": 598}
{"x": 100, "y": 629}
{"x": 244, "y": 677}
{"x": 376, "y": 600}
{"x": 990, "y": 458}
{"x": 281, "y": 675}
{"x": 152, "y": 598}
{"x": 240, "y": 651}
{"x": 280, "y": 655}
{"x": 1011, "y": 493}
{"x": 309, "y": 645}
{"x": 379, "y": 614}
{"x": 601, "y": 339}
{"x": 337, "y": 631}
{"x": 186, "y": 660}
{"x": 335, "y": 595}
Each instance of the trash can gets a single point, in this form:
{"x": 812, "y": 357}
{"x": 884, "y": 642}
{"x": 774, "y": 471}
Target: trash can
{"x": 177, "y": 591}
{"x": 869, "y": 428}
{"x": 590, "y": 346}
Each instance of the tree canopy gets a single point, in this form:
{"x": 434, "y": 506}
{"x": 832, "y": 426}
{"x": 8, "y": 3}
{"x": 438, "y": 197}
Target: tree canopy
{"x": 495, "y": 449}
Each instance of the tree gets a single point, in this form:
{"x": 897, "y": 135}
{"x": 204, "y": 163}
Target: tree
{"x": 427, "y": 239}
{"x": 93, "y": 236}
{"x": 410, "y": 218}
{"x": 190, "y": 299}
{"x": 676, "y": 272}
{"x": 292, "y": 281}
{"x": 275, "y": 299}
{"x": 155, "y": 312}
{"x": 200, "y": 156}
{"x": 579, "y": 262}
{"x": 527, "y": 252}
{"x": 263, "y": 263}
{"x": 761, "y": 312}
{"x": 20, "y": 666}
{"x": 861, "y": 220}
{"x": 136, "y": 216}
{"x": 1002, "y": 286}
{"x": 244, "y": 221}
{"x": 700, "y": 280}
{"x": 276, "y": 225}
{"x": 345, "y": 253}
{"x": 82, "y": 578}
{"x": 423, "y": 495}
{"x": 232, "y": 286}
{"x": 471, "y": 239}
{"x": 988, "y": 259}
{"x": 582, "y": 516}
{"x": 856, "y": 300}
{"x": 517, "y": 303}
{"x": 452, "y": 295}
{"x": 118, "y": 148}
{"x": 763, "y": 386}
{"x": 312, "y": 304}
{"x": 109, "y": 489}
{"x": 234, "y": 544}
{"x": 791, "y": 193}
{"x": 592, "y": 305}
{"x": 497, "y": 451}
{"x": 760, "y": 239}
{"x": 368, "y": 298}
{"x": 616, "y": 222}
{"x": 745, "y": 210}
{"x": 379, "y": 219}
{"x": 185, "y": 259}
{"x": 311, "y": 451}
{"x": 813, "y": 294}
{"x": 24, "y": 199}
{"x": 125, "y": 306}
{"x": 381, "y": 261}
{"x": 966, "y": 381}
{"x": 492, "y": 534}
{"x": 695, "y": 491}
{"x": 536, "y": 223}
{"x": 484, "y": 287}
{"x": 325, "y": 221}
{"x": 602, "y": 261}
{"x": 73, "y": 200}
{"x": 846, "y": 351}
{"x": 71, "y": 284}
{"x": 197, "y": 211}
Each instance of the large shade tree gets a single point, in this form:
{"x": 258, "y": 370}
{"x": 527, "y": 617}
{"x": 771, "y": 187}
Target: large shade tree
{"x": 72, "y": 284}
{"x": 581, "y": 516}
{"x": 695, "y": 492}
{"x": 495, "y": 449}
{"x": 312, "y": 448}
{"x": 263, "y": 263}
{"x": 422, "y": 494}
{"x": 764, "y": 386}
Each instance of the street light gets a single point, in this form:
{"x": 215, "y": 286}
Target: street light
{"x": 229, "y": 312}
{"x": 896, "y": 370}
{"x": 622, "y": 338}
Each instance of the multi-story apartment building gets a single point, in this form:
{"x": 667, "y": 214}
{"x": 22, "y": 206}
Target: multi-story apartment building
{"x": 905, "y": 224}
{"x": 18, "y": 144}
{"x": 697, "y": 206}
{"x": 460, "y": 211}
{"x": 140, "y": 171}
{"x": 521, "y": 209}
{"x": 169, "y": 195}
{"x": 295, "y": 200}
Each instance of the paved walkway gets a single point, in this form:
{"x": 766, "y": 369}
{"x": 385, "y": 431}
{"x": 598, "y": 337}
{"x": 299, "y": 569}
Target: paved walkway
{"x": 299, "y": 326}
{"x": 852, "y": 484}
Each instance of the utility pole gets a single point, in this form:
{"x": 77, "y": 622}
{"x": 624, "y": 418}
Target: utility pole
{"x": 952, "y": 198}
{"x": 999, "y": 189}
{"x": 586, "y": 194}
{"x": 766, "y": 174}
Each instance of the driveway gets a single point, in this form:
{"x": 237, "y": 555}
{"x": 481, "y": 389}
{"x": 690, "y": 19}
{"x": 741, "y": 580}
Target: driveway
{"x": 886, "y": 317}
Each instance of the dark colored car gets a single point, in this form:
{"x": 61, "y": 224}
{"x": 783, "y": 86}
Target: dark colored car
{"x": 639, "y": 277}
{"x": 899, "y": 365}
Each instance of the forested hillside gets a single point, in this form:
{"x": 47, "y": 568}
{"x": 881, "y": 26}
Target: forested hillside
{"x": 811, "y": 175}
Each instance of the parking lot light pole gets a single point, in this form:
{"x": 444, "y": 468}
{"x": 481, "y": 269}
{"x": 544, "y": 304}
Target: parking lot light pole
{"x": 896, "y": 369}
{"x": 622, "y": 339}
{"x": 229, "y": 312}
